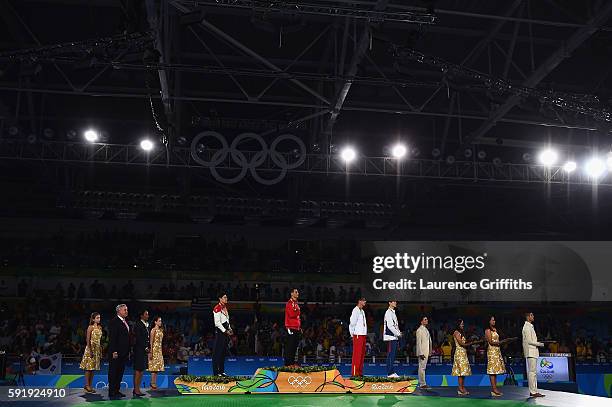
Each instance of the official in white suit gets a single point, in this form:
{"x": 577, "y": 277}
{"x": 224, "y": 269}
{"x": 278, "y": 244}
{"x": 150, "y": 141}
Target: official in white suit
{"x": 423, "y": 350}
{"x": 530, "y": 350}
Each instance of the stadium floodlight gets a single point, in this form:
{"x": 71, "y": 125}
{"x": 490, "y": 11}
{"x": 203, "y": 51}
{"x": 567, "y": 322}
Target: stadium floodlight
{"x": 609, "y": 161}
{"x": 399, "y": 151}
{"x": 91, "y": 136}
{"x": 146, "y": 145}
{"x": 570, "y": 166}
{"x": 548, "y": 157}
{"x": 348, "y": 154}
{"x": 595, "y": 167}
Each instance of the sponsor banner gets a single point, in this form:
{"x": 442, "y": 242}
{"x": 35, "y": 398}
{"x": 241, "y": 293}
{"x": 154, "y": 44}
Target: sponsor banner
{"x": 486, "y": 271}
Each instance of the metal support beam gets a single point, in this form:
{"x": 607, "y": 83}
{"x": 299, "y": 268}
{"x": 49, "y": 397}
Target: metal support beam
{"x": 313, "y": 164}
{"x": 304, "y": 51}
{"x": 362, "y": 46}
{"x": 354, "y": 11}
{"x": 451, "y": 106}
{"x": 357, "y": 106}
{"x": 482, "y": 44}
{"x": 548, "y": 66}
{"x": 234, "y": 42}
{"x": 220, "y": 63}
{"x": 510, "y": 54}
{"x": 153, "y": 19}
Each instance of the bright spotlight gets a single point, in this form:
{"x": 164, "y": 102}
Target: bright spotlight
{"x": 348, "y": 154}
{"x": 91, "y": 136}
{"x": 399, "y": 151}
{"x": 609, "y": 161}
{"x": 570, "y": 166}
{"x": 146, "y": 145}
{"x": 548, "y": 157}
{"x": 595, "y": 167}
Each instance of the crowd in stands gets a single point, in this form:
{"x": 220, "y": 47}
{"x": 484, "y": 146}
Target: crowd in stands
{"x": 171, "y": 291}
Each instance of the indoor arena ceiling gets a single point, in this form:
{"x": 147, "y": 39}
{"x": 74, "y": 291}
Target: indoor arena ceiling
{"x": 454, "y": 80}
{"x": 330, "y": 71}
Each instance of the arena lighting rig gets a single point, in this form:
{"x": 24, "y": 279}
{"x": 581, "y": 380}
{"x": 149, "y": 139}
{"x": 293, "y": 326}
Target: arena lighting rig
{"x": 68, "y": 51}
{"x": 576, "y": 103}
{"x": 547, "y": 157}
{"x": 320, "y": 7}
{"x": 256, "y": 165}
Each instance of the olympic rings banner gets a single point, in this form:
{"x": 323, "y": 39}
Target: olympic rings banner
{"x": 247, "y": 153}
{"x": 487, "y": 271}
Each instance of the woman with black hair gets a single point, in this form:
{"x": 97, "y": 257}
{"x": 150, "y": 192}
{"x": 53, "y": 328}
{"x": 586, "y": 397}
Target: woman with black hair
{"x": 461, "y": 364}
{"x": 156, "y": 357}
{"x": 495, "y": 361}
{"x": 223, "y": 331}
{"x": 93, "y": 350}
{"x": 140, "y": 350}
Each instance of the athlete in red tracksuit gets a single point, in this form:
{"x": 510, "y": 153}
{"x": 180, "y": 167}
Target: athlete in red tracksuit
{"x": 293, "y": 326}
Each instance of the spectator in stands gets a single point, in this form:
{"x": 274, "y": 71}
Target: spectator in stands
{"x": 3, "y": 289}
{"x": 71, "y": 291}
{"x": 81, "y": 291}
{"x": 580, "y": 350}
{"x": 22, "y": 289}
{"x": 446, "y": 349}
{"x": 54, "y": 331}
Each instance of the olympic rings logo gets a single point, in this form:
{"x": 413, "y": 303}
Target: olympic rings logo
{"x": 299, "y": 381}
{"x": 104, "y": 385}
{"x": 547, "y": 376}
{"x": 546, "y": 363}
{"x": 239, "y": 157}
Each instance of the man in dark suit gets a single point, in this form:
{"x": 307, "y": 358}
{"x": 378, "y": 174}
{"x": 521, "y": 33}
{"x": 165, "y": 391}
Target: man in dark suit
{"x": 140, "y": 350}
{"x": 118, "y": 349}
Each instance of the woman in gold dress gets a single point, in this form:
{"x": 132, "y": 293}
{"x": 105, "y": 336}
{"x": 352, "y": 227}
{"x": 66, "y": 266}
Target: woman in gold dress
{"x": 461, "y": 364}
{"x": 495, "y": 361}
{"x": 93, "y": 351}
{"x": 156, "y": 358}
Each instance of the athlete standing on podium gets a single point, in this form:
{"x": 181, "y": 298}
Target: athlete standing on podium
{"x": 358, "y": 329}
{"x": 223, "y": 331}
{"x": 391, "y": 335}
{"x": 293, "y": 326}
